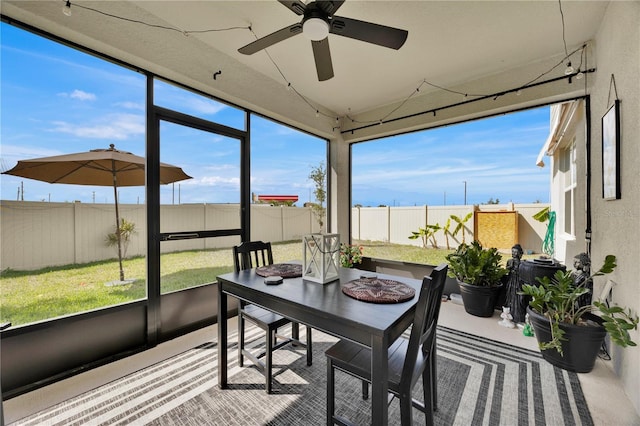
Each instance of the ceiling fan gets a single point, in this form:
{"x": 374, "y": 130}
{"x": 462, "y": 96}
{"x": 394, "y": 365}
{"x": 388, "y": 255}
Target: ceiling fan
{"x": 318, "y": 22}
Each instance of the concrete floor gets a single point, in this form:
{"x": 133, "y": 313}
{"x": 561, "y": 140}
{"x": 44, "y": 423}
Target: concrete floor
{"x": 607, "y": 401}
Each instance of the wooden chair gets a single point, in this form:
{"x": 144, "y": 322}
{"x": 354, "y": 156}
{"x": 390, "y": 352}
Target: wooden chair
{"x": 251, "y": 255}
{"x": 408, "y": 359}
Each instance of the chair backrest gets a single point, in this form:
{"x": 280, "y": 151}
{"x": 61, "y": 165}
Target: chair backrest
{"x": 252, "y": 254}
{"x": 423, "y": 331}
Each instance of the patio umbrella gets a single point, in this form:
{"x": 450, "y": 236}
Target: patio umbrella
{"x": 98, "y": 167}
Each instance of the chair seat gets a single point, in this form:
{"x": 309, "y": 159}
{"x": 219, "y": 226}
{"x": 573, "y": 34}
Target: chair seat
{"x": 356, "y": 360}
{"x": 263, "y": 318}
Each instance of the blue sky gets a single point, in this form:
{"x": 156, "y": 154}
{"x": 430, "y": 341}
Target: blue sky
{"x": 495, "y": 156}
{"x": 56, "y": 100}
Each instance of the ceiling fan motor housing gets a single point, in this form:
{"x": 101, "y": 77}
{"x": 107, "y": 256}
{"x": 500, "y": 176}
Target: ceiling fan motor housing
{"x": 315, "y": 25}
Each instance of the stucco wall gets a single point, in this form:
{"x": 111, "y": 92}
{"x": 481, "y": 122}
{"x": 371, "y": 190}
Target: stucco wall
{"x": 616, "y": 223}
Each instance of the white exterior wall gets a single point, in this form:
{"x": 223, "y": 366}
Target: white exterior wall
{"x": 615, "y": 224}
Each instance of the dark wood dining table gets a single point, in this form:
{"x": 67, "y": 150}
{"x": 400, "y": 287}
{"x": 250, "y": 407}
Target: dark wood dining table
{"x": 326, "y": 308}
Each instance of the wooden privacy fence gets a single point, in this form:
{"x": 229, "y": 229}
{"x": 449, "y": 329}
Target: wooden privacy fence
{"x": 36, "y": 235}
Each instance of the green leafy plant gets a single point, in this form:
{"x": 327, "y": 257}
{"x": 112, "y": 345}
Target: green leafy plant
{"x": 446, "y": 229}
{"x": 428, "y": 233}
{"x": 127, "y": 230}
{"x": 318, "y": 175}
{"x": 460, "y": 225}
{"x": 557, "y": 298}
{"x": 474, "y": 265}
{"x": 350, "y": 255}
{"x": 542, "y": 215}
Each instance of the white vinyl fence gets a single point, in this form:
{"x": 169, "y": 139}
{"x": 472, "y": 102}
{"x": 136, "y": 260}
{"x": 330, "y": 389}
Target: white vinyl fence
{"x": 36, "y": 235}
{"x": 395, "y": 224}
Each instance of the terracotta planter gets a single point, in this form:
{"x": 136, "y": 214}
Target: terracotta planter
{"x": 581, "y": 347}
{"x": 478, "y": 300}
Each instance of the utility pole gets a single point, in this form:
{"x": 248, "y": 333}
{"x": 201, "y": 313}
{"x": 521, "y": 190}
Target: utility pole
{"x": 465, "y": 192}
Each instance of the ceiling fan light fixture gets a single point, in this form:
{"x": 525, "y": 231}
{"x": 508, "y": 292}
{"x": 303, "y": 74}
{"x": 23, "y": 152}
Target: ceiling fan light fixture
{"x": 315, "y": 29}
{"x": 569, "y": 70}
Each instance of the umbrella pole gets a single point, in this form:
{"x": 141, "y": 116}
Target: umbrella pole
{"x": 115, "y": 194}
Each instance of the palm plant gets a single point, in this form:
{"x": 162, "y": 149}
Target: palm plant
{"x": 127, "y": 230}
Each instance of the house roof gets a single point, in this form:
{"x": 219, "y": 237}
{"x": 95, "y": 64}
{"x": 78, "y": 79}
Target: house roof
{"x": 466, "y": 47}
{"x": 292, "y": 198}
{"x": 562, "y": 118}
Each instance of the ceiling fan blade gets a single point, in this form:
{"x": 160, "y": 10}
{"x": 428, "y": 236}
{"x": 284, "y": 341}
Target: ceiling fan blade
{"x": 330, "y": 7}
{"x": 271, "y": 39}
{"x": 295, "y": 6}
{"x": 381, "y": 35}
{"x": 322, "y": 55}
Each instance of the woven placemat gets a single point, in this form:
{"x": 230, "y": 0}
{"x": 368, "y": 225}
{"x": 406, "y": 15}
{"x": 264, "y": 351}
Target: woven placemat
{"x": 284, "y": 270}
{"x": 378, "y": 290}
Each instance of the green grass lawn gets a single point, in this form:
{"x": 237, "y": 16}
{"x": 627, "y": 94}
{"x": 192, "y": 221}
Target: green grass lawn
{"x": 29, "y": 296}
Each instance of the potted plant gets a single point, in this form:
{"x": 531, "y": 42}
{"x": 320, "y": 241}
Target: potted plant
{"x": 350, "y": 255}
{"x": 570, "y": 335}
{"x": 479, "y": 277}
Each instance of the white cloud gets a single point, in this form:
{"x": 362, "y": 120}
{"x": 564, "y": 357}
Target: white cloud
{"x": 205, "y": 106}
{"x": 79, "y": 95}
{"x": 131, "y": 105}
{"x": 215, "y": 180}
{"x": 112, "y": 126}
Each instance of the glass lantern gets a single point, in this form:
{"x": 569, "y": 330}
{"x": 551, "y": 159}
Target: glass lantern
{"x": 321, "y": 257}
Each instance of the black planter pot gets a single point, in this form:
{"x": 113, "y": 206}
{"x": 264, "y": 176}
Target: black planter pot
{"x": 478, "y": 300}
{"x": 530, "y": 270}
{"x": 581, "y": 347}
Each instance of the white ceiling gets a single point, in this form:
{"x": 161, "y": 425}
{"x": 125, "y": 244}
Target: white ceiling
{"x": 449, "y": 43}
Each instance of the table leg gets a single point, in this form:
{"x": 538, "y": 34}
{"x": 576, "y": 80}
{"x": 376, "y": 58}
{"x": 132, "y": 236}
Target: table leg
{"x": 222, "y": 338}
{"x": 379, "y": 380}
{"x": 295, "y": 330}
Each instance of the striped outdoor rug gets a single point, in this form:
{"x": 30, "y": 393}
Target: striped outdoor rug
{"x": 480, "y": 382}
